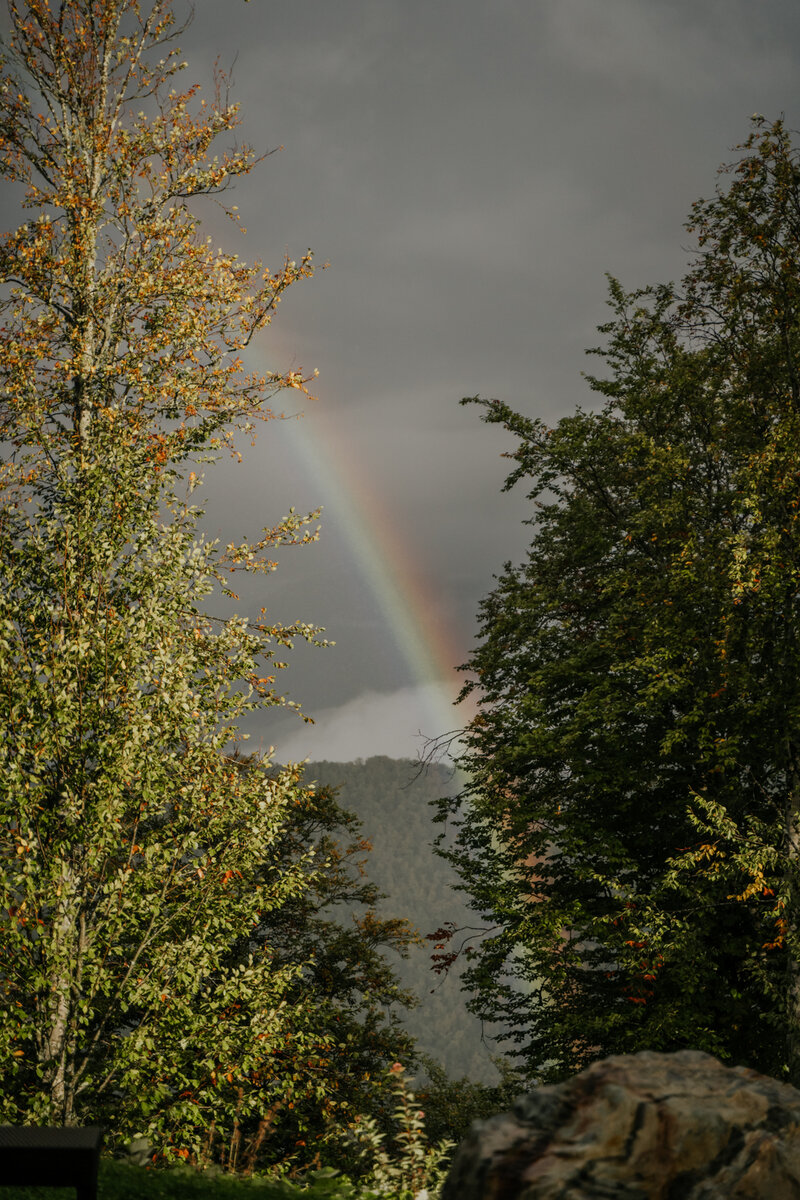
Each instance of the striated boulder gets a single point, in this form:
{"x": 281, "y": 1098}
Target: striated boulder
{"x": 639, "y": 1127}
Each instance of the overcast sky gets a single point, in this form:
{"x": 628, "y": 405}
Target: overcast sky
{"x": 470, "y": 169}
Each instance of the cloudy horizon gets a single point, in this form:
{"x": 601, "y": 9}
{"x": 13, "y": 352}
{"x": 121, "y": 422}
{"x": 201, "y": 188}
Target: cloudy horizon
{"x": 470, "y": 172}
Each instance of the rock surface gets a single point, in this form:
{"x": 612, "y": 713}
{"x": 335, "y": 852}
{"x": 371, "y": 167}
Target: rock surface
{"x": 639, "y": 1127}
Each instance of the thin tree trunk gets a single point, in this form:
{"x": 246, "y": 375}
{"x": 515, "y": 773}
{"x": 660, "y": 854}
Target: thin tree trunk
{"x": 792, "y": 835}
{"x": 57, "y": 1044}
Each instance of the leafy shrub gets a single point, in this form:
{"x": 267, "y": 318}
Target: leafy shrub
{"x": 451, "y": 1105}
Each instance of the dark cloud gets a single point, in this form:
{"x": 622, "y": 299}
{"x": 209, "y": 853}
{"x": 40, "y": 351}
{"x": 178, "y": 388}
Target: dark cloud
{"x": 470, "y": 171}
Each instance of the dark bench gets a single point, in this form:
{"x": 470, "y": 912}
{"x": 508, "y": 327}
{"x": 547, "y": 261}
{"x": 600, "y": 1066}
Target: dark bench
{"x": 51, "y": 1156}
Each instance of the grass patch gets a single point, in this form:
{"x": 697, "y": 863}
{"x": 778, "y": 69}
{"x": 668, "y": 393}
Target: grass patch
{"x": 123, "y": 1181}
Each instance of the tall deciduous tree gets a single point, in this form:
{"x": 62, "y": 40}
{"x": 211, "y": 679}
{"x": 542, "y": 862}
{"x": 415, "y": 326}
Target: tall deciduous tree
{"x": 631, "y": 824}
{"x": 132, "y": 848}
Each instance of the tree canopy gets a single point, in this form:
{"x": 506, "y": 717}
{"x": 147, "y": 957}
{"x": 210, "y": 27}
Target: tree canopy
{"x": 142, "y": 869}
{"x": 630, "y": 828}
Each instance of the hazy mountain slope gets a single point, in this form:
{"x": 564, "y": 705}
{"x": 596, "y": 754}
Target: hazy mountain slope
{"x": 392, "y": 799}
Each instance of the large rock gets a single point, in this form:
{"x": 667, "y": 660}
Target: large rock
{"x": 639, "y": 1127}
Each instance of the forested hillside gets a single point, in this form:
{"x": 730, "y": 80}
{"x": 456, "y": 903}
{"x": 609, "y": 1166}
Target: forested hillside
{"x": 392, "y": 797}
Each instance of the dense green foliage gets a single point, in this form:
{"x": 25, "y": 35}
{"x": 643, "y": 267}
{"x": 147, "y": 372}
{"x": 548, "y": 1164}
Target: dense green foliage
{"x": 168, "y": 968}
{"x": 342, "y": 954}
{"x": 630, "y": 828}
{"x": 451, "y": 1104}
{"x": 399, "y": 1166}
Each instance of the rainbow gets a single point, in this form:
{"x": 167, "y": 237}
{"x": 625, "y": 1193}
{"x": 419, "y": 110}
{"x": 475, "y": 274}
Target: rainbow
{"x": 384, "y": 563}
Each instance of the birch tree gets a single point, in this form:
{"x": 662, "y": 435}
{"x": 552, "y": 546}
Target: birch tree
{"x": 132, "y": 849}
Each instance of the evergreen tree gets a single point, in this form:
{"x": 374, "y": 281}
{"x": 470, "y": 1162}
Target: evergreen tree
{"x": 630, "y": 829}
